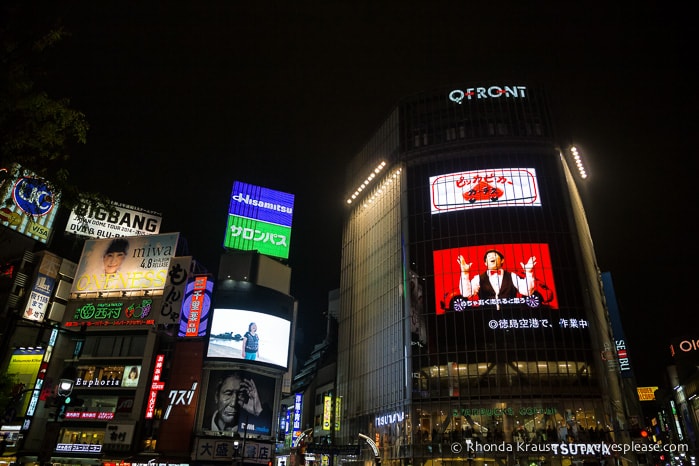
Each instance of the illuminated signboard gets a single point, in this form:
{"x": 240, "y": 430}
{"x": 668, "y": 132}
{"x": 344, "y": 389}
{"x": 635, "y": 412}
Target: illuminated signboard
{"x": 250, "y": 336}
{"x": 687, "y": 345}
{"x": 24, "y": 367}
{"x": 173, "y": 293}
{"x": 621, "y": 350}
{"x": 40, "y": 295}
{"x": 131, "y": 312}
{"x": 502, "y": 187}
{"x": 296, "y": 427}
{"x": 327, "y": 411}
{"x": 179, "y": 401}
{"x": 255, "y": 416}
{"x": 259, "y": 219}
{"x": 121, "y": 220}
{"x": 90, "y": 415}
{"x": 646, "y": 393}
{"x": 224, "y": 450}
{"x": 156, "y": 386}
{"x": 491, "y": 92}
{"x": 195, "y": 307}
{"x": 494, "y": 276}
{"x": 28, "y": 204}
{"x": 114, "y": 267}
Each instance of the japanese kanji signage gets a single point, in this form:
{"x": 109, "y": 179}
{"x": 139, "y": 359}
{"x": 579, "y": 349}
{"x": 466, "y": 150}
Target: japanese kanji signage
{"x": 259, "y": 219}
{"x": 502, "y": 187}
{"x": 214, "y": 449}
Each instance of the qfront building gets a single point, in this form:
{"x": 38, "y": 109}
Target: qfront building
{"x": 472, "y": 321}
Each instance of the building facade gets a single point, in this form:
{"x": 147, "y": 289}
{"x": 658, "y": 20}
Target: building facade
{"x": 438, "y": 359}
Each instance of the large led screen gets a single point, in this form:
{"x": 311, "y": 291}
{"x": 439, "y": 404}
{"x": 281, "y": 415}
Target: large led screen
{"x": 123, "y": 265}
{"x": 501, "y": 187}
{"x": 259, "y": 219}
{"x": 494, "y": 276}
{"x": 238, "y": 402}
{"x": 249, "y": 336}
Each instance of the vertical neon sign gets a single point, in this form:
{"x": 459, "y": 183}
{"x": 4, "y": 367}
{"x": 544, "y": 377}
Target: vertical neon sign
{"x": 155, "y": 386}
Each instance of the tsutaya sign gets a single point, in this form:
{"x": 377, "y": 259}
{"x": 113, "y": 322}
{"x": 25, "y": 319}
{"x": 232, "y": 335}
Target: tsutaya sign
{"x": 492, "y": 92}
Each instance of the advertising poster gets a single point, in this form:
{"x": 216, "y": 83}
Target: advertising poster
{"x": 196, "y": 307}
{"x": 503, "y": 187}
{"x": 126, "y": 264}
{"x": 41, "y": 292}
{"x": 23, "y": 368}
{"x": 28, "y": 204}
{"x": 121, "y": 220}
{"x": 239, "y": 401}
{"x": 495, "y": 277}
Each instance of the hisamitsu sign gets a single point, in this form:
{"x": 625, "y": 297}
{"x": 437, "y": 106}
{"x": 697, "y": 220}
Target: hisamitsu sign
{"x": 259, "y": 219}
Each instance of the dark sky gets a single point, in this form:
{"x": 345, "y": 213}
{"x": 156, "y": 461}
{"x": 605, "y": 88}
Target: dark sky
{"x": 184, "y": 98}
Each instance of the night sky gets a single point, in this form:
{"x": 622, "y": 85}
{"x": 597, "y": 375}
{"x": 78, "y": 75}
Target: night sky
{"x": 183, "y": 98}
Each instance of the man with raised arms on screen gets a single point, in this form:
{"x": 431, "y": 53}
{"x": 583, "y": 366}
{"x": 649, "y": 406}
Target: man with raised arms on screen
{"x": 496, "y": 283}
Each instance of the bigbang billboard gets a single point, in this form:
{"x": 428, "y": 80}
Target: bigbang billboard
{"x": 120, "y": 220}
{"x": 259, "y": 219}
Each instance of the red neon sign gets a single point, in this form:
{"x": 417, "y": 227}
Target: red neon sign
{"x": 156, "y": 386}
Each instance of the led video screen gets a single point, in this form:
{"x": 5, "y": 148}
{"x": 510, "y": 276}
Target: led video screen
{"x": 505, "y": 276}
{"x": 502, "y": 187}
{"x": 249, "y": 336}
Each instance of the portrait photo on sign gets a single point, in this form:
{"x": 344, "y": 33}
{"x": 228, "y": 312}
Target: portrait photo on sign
{"x": 501, "y": 276}
{"x": 238, "y": 401}
{"x": 131, "y": 376}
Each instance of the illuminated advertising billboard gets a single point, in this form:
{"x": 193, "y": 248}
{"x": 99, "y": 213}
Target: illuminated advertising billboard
{"x": 502, "y": 187}
{"x": 173, "y": 293}
{"x": 249, "y": 336}
{"x": 28, "y": 203}
{"x": 196, "y": 307}
{"x": 110, "y": 313}
{"x": 259, "y": 219}
{"x": 124, "y": 266}
{"x": 181, "y": 398}
{"x": 120, "y": 220}
{"x": 646, "y": 393}
{"x": 24, "y": 367}
{"x": 494, "y": 277}
{"x": 240, "y": 402}
{"x": 42, "y": 290}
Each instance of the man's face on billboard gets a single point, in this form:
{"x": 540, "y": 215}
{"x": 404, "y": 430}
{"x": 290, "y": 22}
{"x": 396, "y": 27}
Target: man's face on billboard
{"x": 493, "y": 261}
{"x": 227, "y": 401}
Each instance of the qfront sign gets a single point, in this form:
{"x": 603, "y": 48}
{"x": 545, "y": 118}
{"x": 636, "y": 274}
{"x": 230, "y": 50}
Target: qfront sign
{"x": 492, "y": 92}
